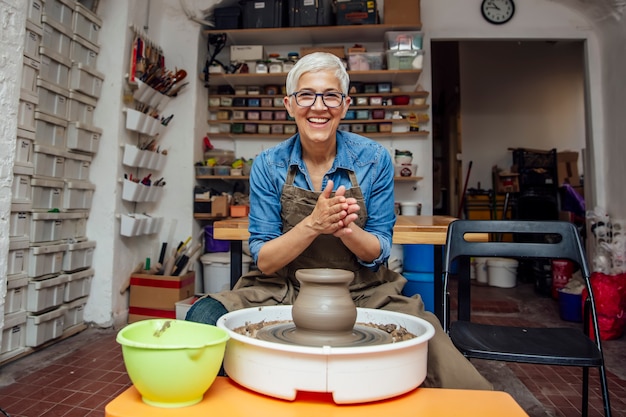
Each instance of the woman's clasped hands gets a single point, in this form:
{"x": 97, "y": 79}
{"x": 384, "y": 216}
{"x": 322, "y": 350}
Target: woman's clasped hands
{"x": 334, "y": 214}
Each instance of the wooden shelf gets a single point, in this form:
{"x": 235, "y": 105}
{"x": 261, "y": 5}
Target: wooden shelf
{"x": 422, "y": 107}
{"x": 422, "y": 134}
{"x": 223, "y": 177}
{"x": 407, "y": 179}
{"x": 291, "y": 122}
{"x": 396, "y": 77}
{"x": 311, "y": 35}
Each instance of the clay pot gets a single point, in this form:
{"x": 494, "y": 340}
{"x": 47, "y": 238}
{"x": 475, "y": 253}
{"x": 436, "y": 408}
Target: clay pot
{"x": 324, "y": 304}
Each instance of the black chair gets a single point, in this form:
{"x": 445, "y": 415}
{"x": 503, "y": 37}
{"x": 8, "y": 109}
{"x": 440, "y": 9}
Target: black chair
{"x": 566, "y": 346}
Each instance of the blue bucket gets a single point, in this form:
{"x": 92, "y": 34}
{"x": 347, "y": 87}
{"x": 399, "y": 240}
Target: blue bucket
{"x": 422, "y": 283}
{"x": 570, "y": 306}
{"x": 418, "y": 258}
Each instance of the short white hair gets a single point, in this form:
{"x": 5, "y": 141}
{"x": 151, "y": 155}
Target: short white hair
{"x": 316, "y": 62}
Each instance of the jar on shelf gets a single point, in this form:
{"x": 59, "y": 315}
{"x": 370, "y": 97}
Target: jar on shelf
{"x": 261, "y": 67}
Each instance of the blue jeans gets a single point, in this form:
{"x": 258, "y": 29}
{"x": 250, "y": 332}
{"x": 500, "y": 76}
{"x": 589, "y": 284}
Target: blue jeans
{"x": 206, "y": 310}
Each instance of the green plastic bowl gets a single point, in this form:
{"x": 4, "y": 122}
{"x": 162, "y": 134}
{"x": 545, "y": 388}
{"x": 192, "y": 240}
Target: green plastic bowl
{"x": 172, "y": 363}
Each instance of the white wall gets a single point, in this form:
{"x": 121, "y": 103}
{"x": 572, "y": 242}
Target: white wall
{"x": 519, "y": 94}
{"x": 13, "y": 20}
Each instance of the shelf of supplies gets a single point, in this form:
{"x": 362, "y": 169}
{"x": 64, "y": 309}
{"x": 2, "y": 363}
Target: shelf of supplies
{"x": 422, "y": 107}
{"x": 396, "y": 77}
{"x": 422, "y": 134}
{"x": 407, "y": 179}
{"x": 223, "y": 177}
{"x": 309, "y": 35}
{"x": 291, "y": 122}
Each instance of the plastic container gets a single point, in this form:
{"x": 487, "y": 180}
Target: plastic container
{"x": 419, "y": 258}
{"x": 213, "y": 245}
{"x": 422, "y": 283}
{"x": 221, "y": 156}
{"x": 502, "y": 272}
{"x": 410, "y": 208}
{"x": 570, "y": 306}
{"x": 405, "y": 60}
{"x": 480, "y": 266}
{"x": 216, "y": 268}
{"x": 172, "y": 363}
{"x": 403, "y": 40}
{"x": 562, "y": 270}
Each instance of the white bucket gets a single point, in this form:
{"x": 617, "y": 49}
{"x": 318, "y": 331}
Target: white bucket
{"x": 216, "y": 271}
{"x": 480, "y": 266}
{"x": 410, "y": 208}
{"x": 502, "y": 272}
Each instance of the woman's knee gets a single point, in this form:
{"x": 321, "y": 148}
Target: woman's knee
{"x": 206, "y": 310}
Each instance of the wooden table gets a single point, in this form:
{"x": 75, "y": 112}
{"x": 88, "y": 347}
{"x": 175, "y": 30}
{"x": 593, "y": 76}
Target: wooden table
{"x": 226, "y": 398}
{"x": 428, "y": 230}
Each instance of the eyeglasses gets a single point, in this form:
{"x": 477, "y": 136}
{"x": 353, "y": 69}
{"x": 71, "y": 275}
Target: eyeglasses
{"x": 331, "y": 99}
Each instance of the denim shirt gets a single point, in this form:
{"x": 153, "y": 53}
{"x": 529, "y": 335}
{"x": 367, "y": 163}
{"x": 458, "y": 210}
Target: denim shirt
{"x": 368, "y": 159}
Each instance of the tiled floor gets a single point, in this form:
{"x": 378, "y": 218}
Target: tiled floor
{"x": 80, "y": 375}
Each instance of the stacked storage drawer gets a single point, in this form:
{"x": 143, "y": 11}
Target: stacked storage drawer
{"x": 50, "y": 256}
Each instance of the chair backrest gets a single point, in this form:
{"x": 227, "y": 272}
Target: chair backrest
{"x": 531, "y": 239}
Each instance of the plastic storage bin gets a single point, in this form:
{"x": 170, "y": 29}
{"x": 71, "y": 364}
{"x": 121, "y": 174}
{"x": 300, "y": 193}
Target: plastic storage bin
{"x": 15, "y": 299}
{"x": 34, "y": 10}
{"x": 78, "y": 284}
{"x": 78, "y": 256}
{"x": 77, "y": 166}
{"x": 86, "y": 24}
{"x": 365, "y": 61}
{"x": 54, "y": 67}
{"x": 13, "y": 335}
{"x": 405, "y": 60}
{"x": 422, "y": 283}
{"x": 78, "y": 195}
{"x": 46, "y": 194}
{"x": 21, "y": 188}
{"x": 45, "y": 294}
{"x": 19, "y": 256}
{"x": 263, "y": 13}
{"x": 48, "y": 162}
{"x": 32, "y": 40}
{"x": 216, "y": 270}
{"x": 56, "y": 37}
{"x": 84, "y": 52}
{"x": 81, "y": 108}
{"x": 86, "y": 80}
{"x": 50, "y": 130}
{"x": 30, "y": 72}
{"x": 44, "y": 327}
{"x": 227, "y": 17}
{"x": 26, "y": 110}
{"x": 45, "y": 260}
{"x": 61, "y": 11}
{"x": 73, "y": 313}
{"x": 53, "y": 99}
{"x": 24, "y": 147}
{"x": 19, "y": 220}
{"x": 403, "y": 40}
{"x": 82, "y": 137}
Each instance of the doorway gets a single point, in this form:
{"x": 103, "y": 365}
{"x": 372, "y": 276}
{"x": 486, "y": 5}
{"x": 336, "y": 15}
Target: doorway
{"x": 491, "y": 96}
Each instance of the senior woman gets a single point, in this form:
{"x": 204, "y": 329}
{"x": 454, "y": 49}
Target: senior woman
{"x": 324, "y": 198}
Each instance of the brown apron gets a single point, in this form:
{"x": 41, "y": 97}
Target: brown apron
{"x": 382, "y": 289}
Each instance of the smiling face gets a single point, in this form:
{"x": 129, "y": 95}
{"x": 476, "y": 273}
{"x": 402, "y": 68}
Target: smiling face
{"x": 318, "y": 123}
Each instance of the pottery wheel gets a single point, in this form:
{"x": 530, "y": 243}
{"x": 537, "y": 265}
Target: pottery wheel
{"x": 360, "y": 335}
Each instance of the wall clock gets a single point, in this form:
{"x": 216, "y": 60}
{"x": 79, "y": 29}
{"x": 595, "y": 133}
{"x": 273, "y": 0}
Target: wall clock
{"x": 497, "y": 12}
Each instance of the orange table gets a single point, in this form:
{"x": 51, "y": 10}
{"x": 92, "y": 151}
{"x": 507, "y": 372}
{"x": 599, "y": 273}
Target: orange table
{"x": 428, "y": 230}
{"x": 226, "y": 398}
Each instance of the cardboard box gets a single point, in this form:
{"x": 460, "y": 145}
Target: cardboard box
{"x": 567, "y": 168}
{"x": 507, "y": 182}
{"x": 219, "y": 206}
{"x": 158, "y": 294}
{"x": 241, "y": 53}
{"x": 339, "y": 51}
{"x": 402, "y": 12}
